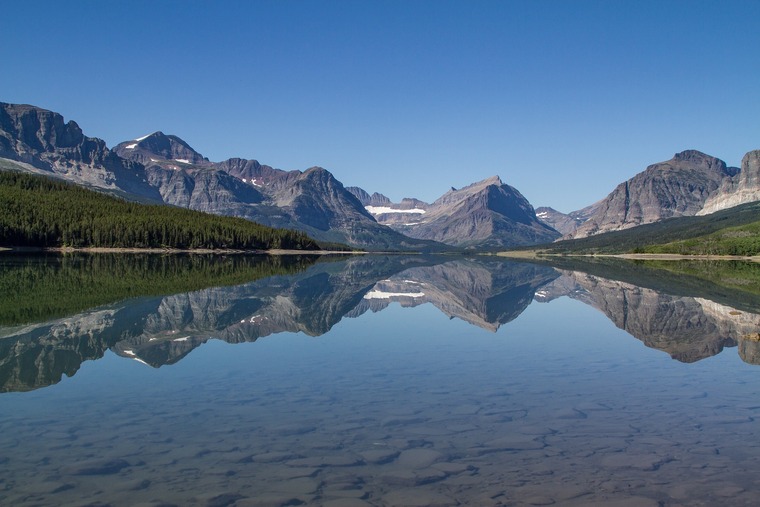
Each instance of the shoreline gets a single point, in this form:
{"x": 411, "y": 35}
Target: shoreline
{"x": 200, "y": 251}
{"x": 537, "y": 254}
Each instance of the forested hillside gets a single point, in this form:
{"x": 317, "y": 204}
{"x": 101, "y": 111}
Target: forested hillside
{"x": 39, "y": 212}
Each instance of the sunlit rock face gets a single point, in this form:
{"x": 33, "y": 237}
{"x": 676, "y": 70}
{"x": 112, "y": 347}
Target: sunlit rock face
{"x": 488, "y": 214}
{"x": 742, "y": 188}
{"x": 678, "y": 187}
{"x": 47, "y": 145}
{"x": 160, "y": 168}
{"x": 312, "y": 201}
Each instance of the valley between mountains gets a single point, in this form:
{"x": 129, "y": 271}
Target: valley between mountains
{"x": 488, "y": 215}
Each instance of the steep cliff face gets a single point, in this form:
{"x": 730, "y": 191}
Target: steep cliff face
{"x": 742, "y": 188}
{"x": 43, "y": 140}
{"x": 487, "y": 214}
{"x": 376, "y": 199}
{"x": 677, "y": 187}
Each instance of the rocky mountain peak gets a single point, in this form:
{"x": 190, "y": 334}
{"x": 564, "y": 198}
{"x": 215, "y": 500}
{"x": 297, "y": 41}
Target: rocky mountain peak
{"x": 454, "y": 195}
{"x": 485, "y": 214}
{"x": 29, "y": 129}
{"x": 42, "y": 139}
{"x": 159, "y": 146}
{"x": 699, "y": 161}
{"x": 674, "y": 188}
{"x": 376, "y": 199}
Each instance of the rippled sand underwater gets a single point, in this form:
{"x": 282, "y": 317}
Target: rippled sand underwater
{"x": 402, "y": 407}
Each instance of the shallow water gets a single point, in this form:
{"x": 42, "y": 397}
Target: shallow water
{"x": 387, "y": 381}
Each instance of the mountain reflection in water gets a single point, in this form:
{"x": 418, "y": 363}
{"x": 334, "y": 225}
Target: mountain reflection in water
{"x": 311, "y": 296}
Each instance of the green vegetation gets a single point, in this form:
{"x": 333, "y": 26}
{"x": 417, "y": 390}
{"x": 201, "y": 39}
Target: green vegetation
{"x": 734, "y": 231}
{"x": 740, "y": 240}
{"x": 40, "y": 212}
{"x": 44, "y": 287}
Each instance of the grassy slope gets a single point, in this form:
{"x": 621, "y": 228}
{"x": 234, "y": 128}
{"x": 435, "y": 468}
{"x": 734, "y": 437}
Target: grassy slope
{"x": 734, "y": 231}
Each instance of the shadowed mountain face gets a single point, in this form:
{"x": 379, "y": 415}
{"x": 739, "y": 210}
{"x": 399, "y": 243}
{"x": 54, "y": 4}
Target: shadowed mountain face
{"x": 311, "y": 298}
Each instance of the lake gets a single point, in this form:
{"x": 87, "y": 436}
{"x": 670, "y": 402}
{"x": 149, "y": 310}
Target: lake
{"x": 377, "y": 380}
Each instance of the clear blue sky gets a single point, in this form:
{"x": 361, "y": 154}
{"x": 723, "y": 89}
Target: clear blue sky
{"x": 562, "y": 99}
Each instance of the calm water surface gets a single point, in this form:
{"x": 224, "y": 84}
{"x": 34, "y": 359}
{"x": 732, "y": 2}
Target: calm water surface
{"x": 381, "y": 381}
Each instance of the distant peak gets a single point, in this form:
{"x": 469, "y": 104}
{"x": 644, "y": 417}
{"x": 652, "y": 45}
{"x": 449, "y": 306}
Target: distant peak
{"x": 166, "y": 147}
{"x": 690, "y": 155}
{"x": 493, "y": 180}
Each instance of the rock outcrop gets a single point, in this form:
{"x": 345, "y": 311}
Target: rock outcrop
{"x": 561, "y": 222}
{"x": 48, "y": 145}
{"x": 742, "y": 188}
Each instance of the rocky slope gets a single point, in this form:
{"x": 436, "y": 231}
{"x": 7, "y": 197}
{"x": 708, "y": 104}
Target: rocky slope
{"x": 678, "y": 187}
{"x": 163, "y": 168}
{"x": 560, "y": 222}
{"x": 47, "y": 145}
{"x": 488, "y": 214}
{"x": 741, "y": 188}
{"x": 312, "y": 201}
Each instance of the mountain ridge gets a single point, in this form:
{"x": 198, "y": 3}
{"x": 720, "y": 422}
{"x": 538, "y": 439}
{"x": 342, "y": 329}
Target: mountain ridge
{"x": 164, "y": 169}
{"x": 487, "y": 215}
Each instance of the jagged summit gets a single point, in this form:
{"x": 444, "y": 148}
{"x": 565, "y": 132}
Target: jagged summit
{"x": 674, "y": 188}
{"x": 486, "y": 214}
{"x": 157, "y": 147}
{"x": 54, "y": 147}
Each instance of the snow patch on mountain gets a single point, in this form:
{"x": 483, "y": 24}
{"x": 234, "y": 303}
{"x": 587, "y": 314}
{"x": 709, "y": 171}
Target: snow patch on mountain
{"x": 378, "y": 210}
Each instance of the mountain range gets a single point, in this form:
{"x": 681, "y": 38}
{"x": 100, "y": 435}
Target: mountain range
{"x": 486, "y": 215}
{"x": 691, "y": 183}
